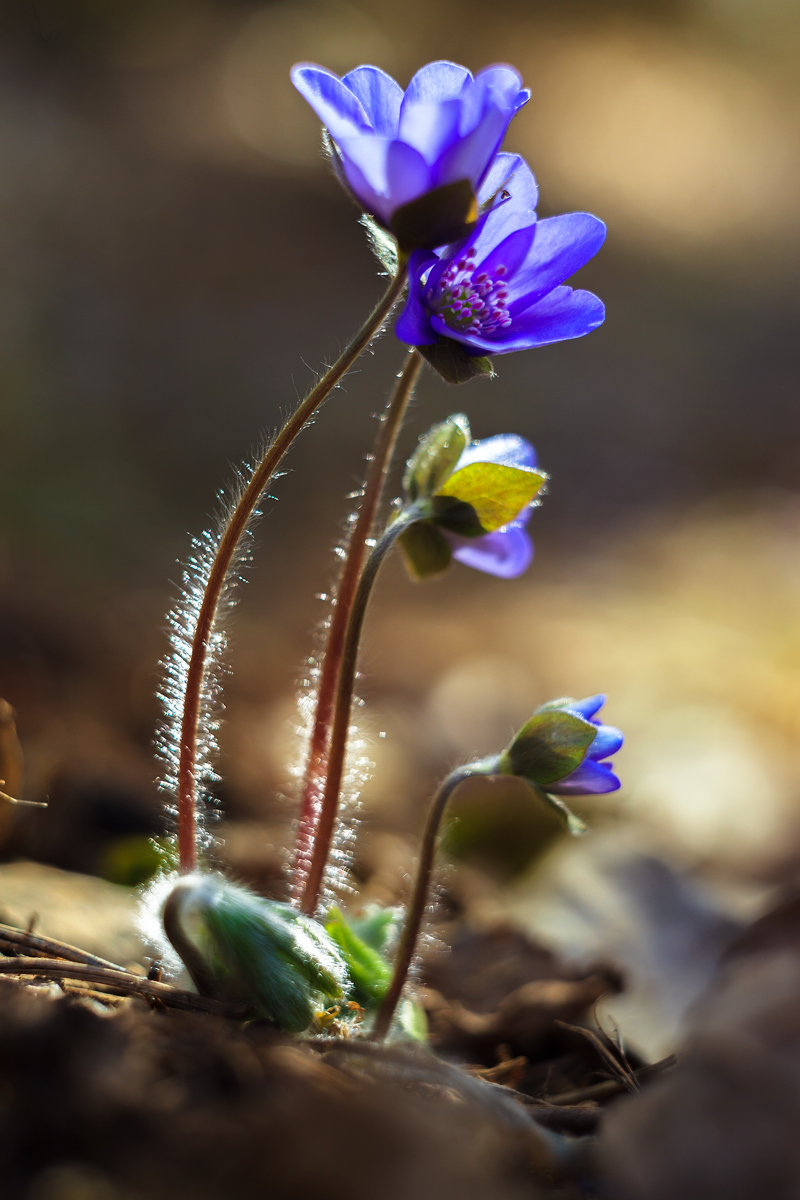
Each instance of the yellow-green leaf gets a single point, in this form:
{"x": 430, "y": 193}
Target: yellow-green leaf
{"x": 496, "y": 492}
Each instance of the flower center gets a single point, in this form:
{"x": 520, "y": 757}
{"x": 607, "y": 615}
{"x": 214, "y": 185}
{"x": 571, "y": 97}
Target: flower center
{"x": 468, "y": 300}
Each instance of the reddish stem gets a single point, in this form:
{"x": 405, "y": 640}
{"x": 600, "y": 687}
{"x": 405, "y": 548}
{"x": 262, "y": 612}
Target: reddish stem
{"x": 317, "y": 760}
{"x": 226, "y": 552}
{"x": 343, "y": 706}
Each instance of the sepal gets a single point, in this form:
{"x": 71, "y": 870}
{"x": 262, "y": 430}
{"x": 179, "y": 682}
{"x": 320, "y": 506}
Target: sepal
{"x": 381, "y": 243}
{"x": 426, "y": 552}
{"x": 450, "y": 360}
{"x": 436, "y": 457}
{"x": 445, "y": 214}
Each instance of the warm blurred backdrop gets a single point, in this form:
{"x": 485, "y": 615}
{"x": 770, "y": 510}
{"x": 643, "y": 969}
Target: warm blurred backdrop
{"x": 176, "y": 261}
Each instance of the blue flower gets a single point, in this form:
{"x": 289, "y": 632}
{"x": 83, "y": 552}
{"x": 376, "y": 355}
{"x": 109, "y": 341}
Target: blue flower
{"x": 500, "y": 289}
{"x": 508, "y": 552}
{"x": 470, "y": 501}
{"x": 391, "y": 147}
{"x": 593, "y": 776}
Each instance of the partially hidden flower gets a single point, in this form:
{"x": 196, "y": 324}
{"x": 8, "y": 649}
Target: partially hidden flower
{"x": 561, "y": 751}
{"x": 474, "y": 500}
{"x": 502, "y": 288}
{"x": 391, "y": 149}
{"x": 263, "y": 954}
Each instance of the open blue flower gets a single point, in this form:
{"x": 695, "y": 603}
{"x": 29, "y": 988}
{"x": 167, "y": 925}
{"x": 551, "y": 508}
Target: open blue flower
{"x": 393, "y": 147}
{"x": 501, "y": 288}
{"x": 508, "y": 552}
{"x": 593, "y": 776}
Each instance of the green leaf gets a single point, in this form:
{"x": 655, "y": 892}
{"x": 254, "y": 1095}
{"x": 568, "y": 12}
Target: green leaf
{"x": 378, "y": 926}
{"x": 436, "y": 456}
{"x": 369, "y": 972}
{"x": 445, "y": 214}
{"x": 549, "y": 747}
{"x": 450, "y": 360}
{"x": 425, "y": 550}
{"x": 497, "y": 494}
{"x": 381, "y": 243}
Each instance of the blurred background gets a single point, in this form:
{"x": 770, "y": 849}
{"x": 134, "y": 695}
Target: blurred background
{"x": 176, "y": 262}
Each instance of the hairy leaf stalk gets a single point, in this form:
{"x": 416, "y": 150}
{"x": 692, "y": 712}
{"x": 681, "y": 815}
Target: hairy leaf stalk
{"x": 419, "y": 900}
{"x": 317, "y": 756}
{"x": 225, "y": 555}
{"x": 342, "y": 709}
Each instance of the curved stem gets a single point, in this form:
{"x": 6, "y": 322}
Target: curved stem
{"x": 419, "y": 900}
{"x": 225, "y": 554}
{"x": 317, "y": 759}
{"x": 342, "y": 709}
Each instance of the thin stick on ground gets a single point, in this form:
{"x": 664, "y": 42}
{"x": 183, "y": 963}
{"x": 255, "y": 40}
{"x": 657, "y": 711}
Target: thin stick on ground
{"x": 226, "y": 554}
{"x": 131, "y": 985}
{"x": 317, "y": 757}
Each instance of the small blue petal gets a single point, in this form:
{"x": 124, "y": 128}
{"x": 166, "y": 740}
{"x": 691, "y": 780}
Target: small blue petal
{"x": 590, "y": 779}
{"x": 508, "y": 449}
{"x": 438, "y": 81}
{"x": 380, "y": 97}
{"x": 606, "y": 743}
{"x": 431, "y": 128}
{"x": 511, "y": 253}
{"x": 562, "y": 245}
{"x": 507, "y": 553}
{"x": 339, "y": 110}
{"x": 588, "y": 706}
{"x": 414, "y": 323}
{"x": 471, "y": 156}
{"x": 509, "y": 173}
{"x": 407, "y": 173}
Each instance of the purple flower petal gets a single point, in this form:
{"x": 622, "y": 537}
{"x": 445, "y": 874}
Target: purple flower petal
{"x": 364, "y": 165}
{"x": 562, "y": 245}
{"x": 508, "y": 449}
{"x": 438, "y": 81}
{"x": 606, "y": 743}
{"x": 564, "y": 313}
{"x": 407, "y": 174}
{"x": 509, "y": 173}
{"x": 431, "y": 128}
{"x": 511, "y": 253}
{"x": 471, "y": 156}
{"x": 589, "y": 779}
{"x": 380, "y": 97}
{"x": 414, "y": 323}
{"x": 337, "y": 107}
{"x": 561, "y": 315}
{"x": 507, "y": 553}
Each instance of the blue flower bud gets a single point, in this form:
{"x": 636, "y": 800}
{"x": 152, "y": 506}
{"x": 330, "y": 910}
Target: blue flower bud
{"x": 261, "y": 953}
{"x": 559, "y": 752}
{"x": 474, "y": 501}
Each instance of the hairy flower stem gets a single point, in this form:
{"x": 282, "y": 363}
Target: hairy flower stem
{"x": 225, "y": 555}
{"x": 317, "y": 758}
{"x": 419, "y": 900}
{"x": 342, "y": 708}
